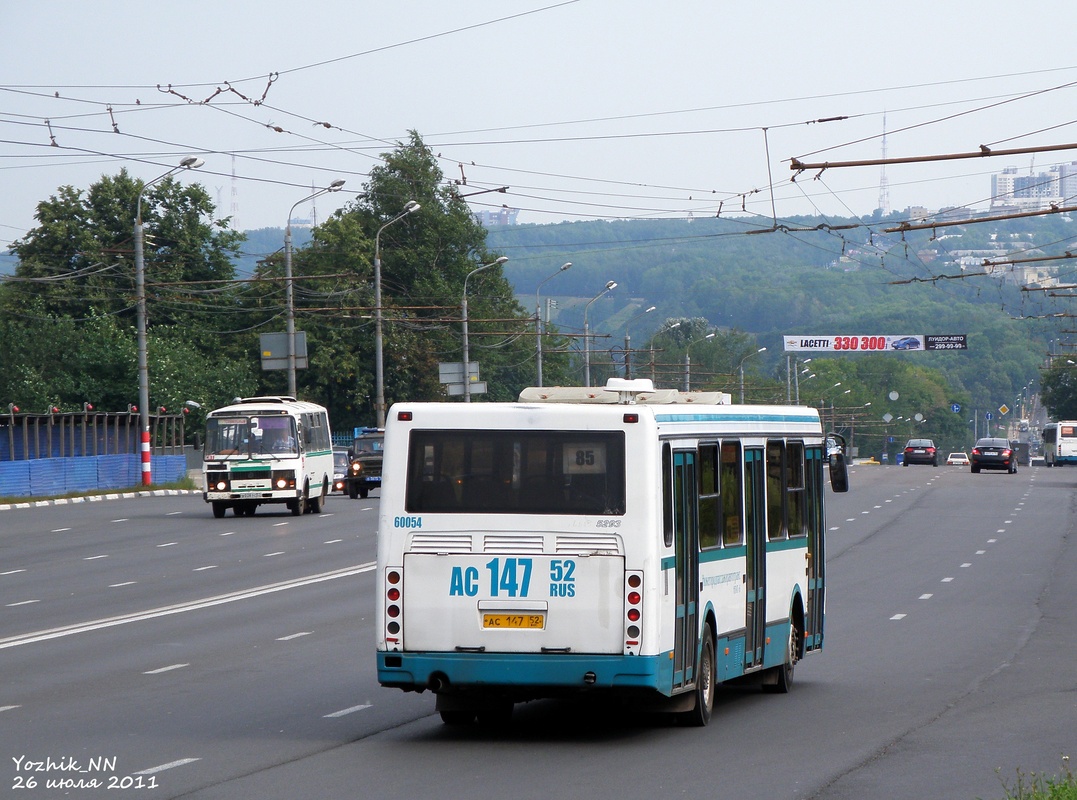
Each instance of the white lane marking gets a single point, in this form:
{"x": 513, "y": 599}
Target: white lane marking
{"x": 59, "y": 530}
{"x": 898, "y": 616}
{"x": 228, "y": 533}
{"x": 23, "y": 603}
{"x": 334, "y": 541}
{"x": 168, "y": 544}
{"x": 946, "y": 580}
{"x": 169, "y": 765}
{"x": 980, "y": 552}
{"x": 181, "y": 608}
{"x": 293, "y": 636}
{"x": 966, "y": 565}
{"x": 926, "y": 596}
{"x": 8, "y": 708}
{"x": 118, "y": 585}
{"x": 346, "y": 711}
{"x": 169, "y": 668}
{"x": 12, "y": 572}
{"x": 203, "y": 569}
{"x": 121, "y": 519}
{"x": 277, "y": 553}
{"x": 93, "y": 558}
{"x": 992, "y": 541}
{"x": 173, "y": 513}
{"x": 279, "y": 524}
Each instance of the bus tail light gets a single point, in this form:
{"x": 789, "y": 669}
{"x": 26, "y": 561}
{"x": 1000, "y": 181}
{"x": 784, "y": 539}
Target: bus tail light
{"x": 633, "y": 621}
{"x": 394, "y": 585}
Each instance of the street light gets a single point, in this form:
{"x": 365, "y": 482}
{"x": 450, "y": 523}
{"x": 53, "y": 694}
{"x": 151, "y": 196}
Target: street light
{"x": 610, "y": 286}
{"x": 191, "y": 162}
{"x": 688, "y": 362}
{"x": 289, "y": 290}
{"x": 760, "y": 350}
{"x": 628, "y": 342}
{"x": 379, "y": 357}
{"x": 538, "y": 321}
{"x": 463, "y": 317}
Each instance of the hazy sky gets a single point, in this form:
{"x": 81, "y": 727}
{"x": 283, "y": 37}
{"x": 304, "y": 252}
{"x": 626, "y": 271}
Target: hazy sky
{"x": 584, "y": 108}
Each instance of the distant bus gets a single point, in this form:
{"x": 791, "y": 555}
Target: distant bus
{"x": 267, "y": 450}
{"x": 640, "y": 543}
{"x": 1060, "y": 443}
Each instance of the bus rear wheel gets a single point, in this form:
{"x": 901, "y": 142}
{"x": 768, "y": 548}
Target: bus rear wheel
{"x": 780, "y": 679}
{"x": 706, "y": 681}
{"x": 318, "y": 503}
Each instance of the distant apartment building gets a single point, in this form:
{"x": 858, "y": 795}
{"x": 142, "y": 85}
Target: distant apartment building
{"x": 499, "y": 216}
{"x": 1016, "y": 189}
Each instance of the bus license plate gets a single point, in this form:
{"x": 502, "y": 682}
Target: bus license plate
{"x": 511, "y": 621}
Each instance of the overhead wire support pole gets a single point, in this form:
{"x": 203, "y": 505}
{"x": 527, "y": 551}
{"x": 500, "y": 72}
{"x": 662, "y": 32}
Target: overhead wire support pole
{"x": 904, "y": 226}
{"x": 191, "y": 162}
{"x": 379, "y": 348}
{"x": 289, "y": 289}
{"x": 796, "y": 165}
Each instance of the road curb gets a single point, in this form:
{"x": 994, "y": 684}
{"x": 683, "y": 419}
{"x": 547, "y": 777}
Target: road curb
{"x": 97, "y": 498}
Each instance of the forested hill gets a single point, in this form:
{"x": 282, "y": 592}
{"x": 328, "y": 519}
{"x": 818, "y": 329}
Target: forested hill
{"x": 810, "y": 276}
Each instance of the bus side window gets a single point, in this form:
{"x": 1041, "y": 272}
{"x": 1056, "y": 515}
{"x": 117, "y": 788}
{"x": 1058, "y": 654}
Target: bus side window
{"x": 667, "y": 495}
{"x": 732, "y": 494}
{"x": 709, "y": 517}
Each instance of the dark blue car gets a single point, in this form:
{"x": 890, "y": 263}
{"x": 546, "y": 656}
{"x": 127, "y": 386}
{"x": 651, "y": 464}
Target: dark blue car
{"x": 907, "y": 343}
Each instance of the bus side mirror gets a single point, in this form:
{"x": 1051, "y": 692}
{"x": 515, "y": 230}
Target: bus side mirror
{"x": 839, "y": 472}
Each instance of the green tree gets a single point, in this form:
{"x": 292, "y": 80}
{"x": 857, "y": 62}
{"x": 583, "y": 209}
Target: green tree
{"x": 80, "y": 257}
{"x": 1059, "y": 391}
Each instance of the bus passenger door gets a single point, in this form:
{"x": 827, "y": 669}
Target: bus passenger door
{"x": 685, "y": 539}
{"x": 814, "y": 569}
{"x": 755, "y": 508}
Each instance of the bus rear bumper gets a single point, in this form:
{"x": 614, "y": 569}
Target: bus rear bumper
{"x": 552, "y": 672}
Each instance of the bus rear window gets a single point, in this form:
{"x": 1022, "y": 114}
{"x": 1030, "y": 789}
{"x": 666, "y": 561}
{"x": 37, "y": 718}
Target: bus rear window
{"x": 516, "y": 472}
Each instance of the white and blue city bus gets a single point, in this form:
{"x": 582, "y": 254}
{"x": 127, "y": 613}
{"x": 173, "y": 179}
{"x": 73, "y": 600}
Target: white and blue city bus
{"x": 267, "y": 450}
{"x": 643, "y": 543}
{"x": 1060, "y": 443}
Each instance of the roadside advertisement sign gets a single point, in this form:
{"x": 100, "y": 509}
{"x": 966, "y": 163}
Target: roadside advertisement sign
{"x": 886, "y": 343}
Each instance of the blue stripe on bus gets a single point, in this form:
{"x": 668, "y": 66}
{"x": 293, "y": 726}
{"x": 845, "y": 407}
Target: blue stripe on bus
{"x": 528, "y": 669}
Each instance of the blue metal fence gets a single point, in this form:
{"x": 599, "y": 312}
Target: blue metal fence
{"x": 51, "y": 477}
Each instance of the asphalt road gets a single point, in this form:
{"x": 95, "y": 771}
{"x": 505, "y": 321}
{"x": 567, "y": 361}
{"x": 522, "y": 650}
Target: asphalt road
{"x": 146, "y": 645}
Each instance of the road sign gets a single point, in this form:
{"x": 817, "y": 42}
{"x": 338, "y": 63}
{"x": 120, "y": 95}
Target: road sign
{"x": 457, "y": 389}
{"x": 955, "y": 408}
{"x": 274, "y": 350}
{"x": 989, "y": 416}
{"x": 1002, "y": 409}
{"x": 453, "y": 371}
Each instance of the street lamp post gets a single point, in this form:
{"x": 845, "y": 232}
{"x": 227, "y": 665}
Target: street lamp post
{"x": 760, "y": 350}
{"x": 379, "y": 354}
{"x": 628, "y": 342}
{"x": 289, "y": 290}
{"x": 191, "y": 162}
{"x": 688, "y": 362}
{"x": 610, "y": 286}
{"x": 538, "y": 321}
{"x": 463, "y": 318}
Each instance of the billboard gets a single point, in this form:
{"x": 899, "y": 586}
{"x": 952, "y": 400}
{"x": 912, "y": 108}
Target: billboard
{"x": 876, "y": 344}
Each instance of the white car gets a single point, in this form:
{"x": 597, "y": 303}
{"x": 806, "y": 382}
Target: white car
{"x": 958, "y": 459}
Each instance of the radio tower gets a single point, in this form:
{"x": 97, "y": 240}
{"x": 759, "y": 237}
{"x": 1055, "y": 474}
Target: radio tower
{"x": 235, "y": 197}
{"x": 884, "y": 185}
